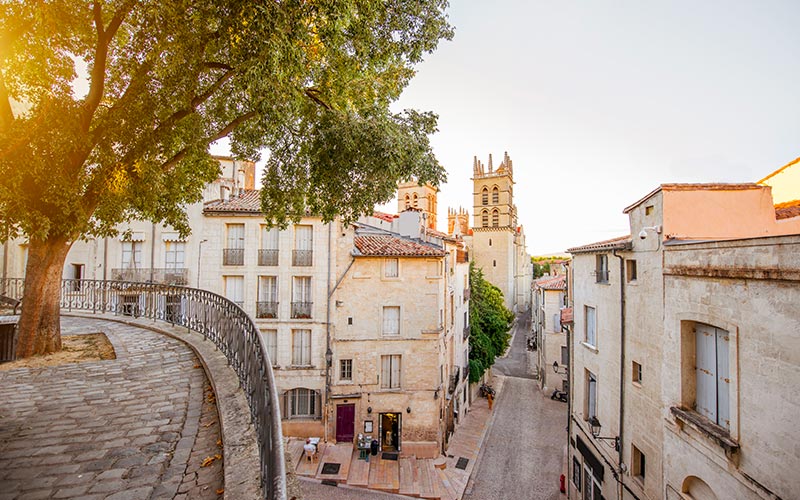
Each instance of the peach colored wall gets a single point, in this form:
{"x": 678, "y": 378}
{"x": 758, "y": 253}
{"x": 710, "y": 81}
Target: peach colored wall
{"x": 785, "y": 184}
{"x": 723, "y": 214}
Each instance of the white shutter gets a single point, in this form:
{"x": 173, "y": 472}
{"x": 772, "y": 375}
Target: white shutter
{"x": 301, "y": 291}
{"x": 235, "y": 236}
{"x": 271, "y": 342}
{"x": 591, "y": 326}
{"x": 391, "y": 320}
{"x": 706, "y": 363}
{"x": 267, "y": 289}
{"x": 395, "y": 371}
{"x": 269, "y": 238}
{"x": 234, "y": 288}
{"x": 723, "y": 379}
{"x": 592, "y": 396}
{"x": 303, "y": 238}
{"x": 386, "y": 370}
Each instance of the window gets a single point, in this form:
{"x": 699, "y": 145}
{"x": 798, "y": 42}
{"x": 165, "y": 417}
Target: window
{"x": 485, "y": 196}
{"x": 484, "y": 219}
{"x": 301, "y": 403}
{"x": 174, "y": 254}
{"x": 591, "y": 326}
{"x": 648, "y": 210}
{"x": 267, "y": 305}
{"x": 390, "y": 268}
{"x": 303, "y": 254}
{"x": 564, "y": 356}
{"x": 301, "y": 347}
{"x": 576, "y": 473}
{"x": 495, "y": 195}
{"x": 630, "y": 270}
{"x": 268, "y": 254}
{"x": 391, "y": 320}
{"x": 495, "y": 218}
{"x": 390, "y": 371}
{"x": 415, "y": 200}
{"x": 490, "y": 242}
{"x": 712, "y": 374}
{"x": 636, "y": 373}
{"x": 601, "y": 268}
{"x": 346, "y": 369}
{"x": 131, "y": 255}
{"x": 591, "y": 485}
{"x": 591, "y": 395}
{"x": 408, "y": 201}
{"x": 233, "y": 254}
{"x": 234, "y": 289}
{"x": 301, "y": 297}
{"x": 638, "y": 465}
{"x": 271, "y": 343}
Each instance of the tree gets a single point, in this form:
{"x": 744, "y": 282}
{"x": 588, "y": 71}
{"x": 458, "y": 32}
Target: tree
{"x": 490, "y": 321}
{"x": 307, "y": 80}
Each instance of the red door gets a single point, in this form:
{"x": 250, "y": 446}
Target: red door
{"x": 345, "y": 423}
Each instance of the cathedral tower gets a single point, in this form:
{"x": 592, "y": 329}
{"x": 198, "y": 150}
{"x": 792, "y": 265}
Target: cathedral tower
{"x": 410, "y": 195}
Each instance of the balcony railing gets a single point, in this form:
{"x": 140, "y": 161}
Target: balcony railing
{"x": 466, "y": 332}
{"x": 267, "y": 310}
{"x": 301, "y": 310}
{"x": 465, "y": 373}
{"x": 455, "y": 378}
{"x": 217, "y": 319}
{"x": 233, "y": 256}
{"x": 173, "y": 276}
{"x": 267, "y": 257}
{"x": 302, "y": 257}
{"x": 467, "y": 293}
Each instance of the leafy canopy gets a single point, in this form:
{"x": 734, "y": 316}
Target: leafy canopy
{"x": 490, "y": 321}
{"x": 309, "y": 80}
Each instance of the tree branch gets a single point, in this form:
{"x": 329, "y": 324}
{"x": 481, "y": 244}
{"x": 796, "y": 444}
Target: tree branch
{"x": 6, "y": 113}
{"x": 311, "y": 93}
{"x": 217, "y": 65}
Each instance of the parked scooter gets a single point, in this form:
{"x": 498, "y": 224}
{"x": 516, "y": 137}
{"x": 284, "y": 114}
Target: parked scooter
{"x": 485, "y": 390}
{"x": 561, "y": 396}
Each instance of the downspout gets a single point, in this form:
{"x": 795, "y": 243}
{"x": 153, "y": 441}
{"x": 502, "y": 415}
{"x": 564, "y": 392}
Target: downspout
{"x": 621, "y": 369}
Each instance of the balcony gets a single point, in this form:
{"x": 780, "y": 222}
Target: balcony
{"x": 455, "y": 377}
{"x": 175, "y": 276}
{"x": 302, "y": 257}
{"x": 465, "y": 373}
{"x": 267, "y": 310}
{"x": 268, "y": 257}
{"x": 467, "y": 293}
{"x": 233, "y": 256}
{"x": 466, "y": 332}
{"x": 301, "y": 310}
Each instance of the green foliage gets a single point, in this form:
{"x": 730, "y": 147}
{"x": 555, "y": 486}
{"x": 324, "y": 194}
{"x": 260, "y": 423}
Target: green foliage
{"x": 309, "y": 81}
{"x": 490, "y": 322}
{"x": 540, "y": 269}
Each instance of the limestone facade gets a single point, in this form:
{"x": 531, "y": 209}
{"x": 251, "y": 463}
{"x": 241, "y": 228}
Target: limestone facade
{"x": 549, "y": 298}
{"x": 703, "y": 258}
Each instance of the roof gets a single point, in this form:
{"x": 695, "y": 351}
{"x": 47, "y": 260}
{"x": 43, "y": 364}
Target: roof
{"x": 619, "y": 243}
{"x": 714, "y": 186}
{"x": 773, "y": 174}
{"x": 787, "y": 210}
{"x": 384, "y": 216}
{"x": 552, "y": 282}
{"x": 394, "y": 246}
{"x": 247, "y": 202}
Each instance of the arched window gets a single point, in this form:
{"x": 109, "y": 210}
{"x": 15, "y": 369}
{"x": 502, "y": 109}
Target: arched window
{"x": 495, "y": 195}
{"x": 495, "y": 218}
{"x": 485, "y": 196}
{"x": 415, "y": 200}
{"x": 484, "y": 219}
{"x": 408, "y": 201}
{"x": 301, "y": 403}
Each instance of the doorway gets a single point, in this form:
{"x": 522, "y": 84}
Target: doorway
{"x": 390, "y": 431}
{"x": 345, "y": 423}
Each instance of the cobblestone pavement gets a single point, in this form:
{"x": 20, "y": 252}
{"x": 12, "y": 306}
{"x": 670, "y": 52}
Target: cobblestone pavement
{"x": 522, "y": 455}
{"x": 130, "y": 428}
{"x": 519, "y": 361}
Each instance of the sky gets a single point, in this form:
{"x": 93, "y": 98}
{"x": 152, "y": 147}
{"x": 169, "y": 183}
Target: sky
{"x": 597, "y": 103}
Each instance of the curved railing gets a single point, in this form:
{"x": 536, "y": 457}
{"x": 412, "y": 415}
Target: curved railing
{"x": 217, "y": 319}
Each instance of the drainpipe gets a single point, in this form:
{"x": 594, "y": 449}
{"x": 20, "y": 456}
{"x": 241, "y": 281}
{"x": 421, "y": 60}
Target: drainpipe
{"x": 621, "y": 369}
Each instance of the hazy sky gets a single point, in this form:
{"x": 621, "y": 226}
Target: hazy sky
{"x": 598, "y": 102}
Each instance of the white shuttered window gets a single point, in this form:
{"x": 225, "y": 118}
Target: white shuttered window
{"x": 390, "y": 371}
{"x": 301, "y": 347}
{"x": 391, "y": 320}
{"x": 713, "y": 374}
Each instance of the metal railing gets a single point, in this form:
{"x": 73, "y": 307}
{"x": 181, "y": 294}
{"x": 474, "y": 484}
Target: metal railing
{"x": 302, "y": 257}
{"x": 301, "y": 310}
{"x": 267, "y": 310}
{"x": 175, "y": 276}
{"x": 455, "y": 378}
{"x": 267, "y": 257}
{"x": 233, "y": 256}
{"x": 466, "y": 332}
{"x": 217, "y": 319}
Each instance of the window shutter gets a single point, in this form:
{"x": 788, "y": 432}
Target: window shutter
{"x": 592, "y": 397}
{"x": 395, "y": 371}
{"x": 269, "y": 238}
{"x": 706, "y": 371}
{"x": 302, "y": 237}
{"x": 723, "y": 379}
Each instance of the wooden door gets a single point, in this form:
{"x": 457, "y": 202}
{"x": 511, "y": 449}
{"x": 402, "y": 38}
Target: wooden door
{"x": 345, "y": 423}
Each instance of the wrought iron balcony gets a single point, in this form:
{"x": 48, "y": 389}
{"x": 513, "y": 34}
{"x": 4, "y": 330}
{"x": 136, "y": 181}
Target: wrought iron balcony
{"x": 301, "y": 310}
{"x": 467, "y": 293}
{"x": 302, "y": 257}
{"x": 465, "y": 373}
{"x": 233, "y": 256}
{"x": 466, "y": 331}
{"x": 268, "y": 257}
{"x": 173, "y": 276}
{"x": 267, "y": 310}
{"x": 455, "y": 377}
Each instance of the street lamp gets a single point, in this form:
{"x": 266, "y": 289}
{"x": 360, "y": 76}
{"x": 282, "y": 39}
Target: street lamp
{"x": 595, "y": 425}
{"x": 329, "y": 356}
{"x": 199, "y": 254}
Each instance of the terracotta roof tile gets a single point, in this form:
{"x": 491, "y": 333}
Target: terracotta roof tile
{"x": 552, "y": 282}
{"x": 566, "y": 315}
{"x": 384, "y": 216}
{"x": 247, "y": 202}
{"x": 787, "y": 210}
{"x": 394, "y": 246}
{"x": 622, "y": 242}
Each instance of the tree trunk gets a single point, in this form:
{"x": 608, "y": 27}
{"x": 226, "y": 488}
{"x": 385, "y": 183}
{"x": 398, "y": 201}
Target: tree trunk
{"x": 40, "y": 320}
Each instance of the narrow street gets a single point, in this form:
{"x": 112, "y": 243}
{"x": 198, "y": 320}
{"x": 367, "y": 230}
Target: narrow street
{"x": 523, "y": 452}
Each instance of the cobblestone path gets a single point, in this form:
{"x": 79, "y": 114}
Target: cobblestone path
{"x": 137, "y": 427}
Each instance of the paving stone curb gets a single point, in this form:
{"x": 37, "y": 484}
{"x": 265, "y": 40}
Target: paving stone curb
{"x": 240, "y": 452}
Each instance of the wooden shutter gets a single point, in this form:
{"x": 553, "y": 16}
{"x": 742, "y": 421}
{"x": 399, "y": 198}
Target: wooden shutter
{"x": 302, "y": 238}
{"x": 706, "y": 366}
{"x": 723, "y": 379}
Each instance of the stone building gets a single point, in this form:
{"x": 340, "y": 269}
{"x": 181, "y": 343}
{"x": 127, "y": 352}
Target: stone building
{"x": 644, "y": 417}
{"x": 498, "y": 241}
{"x": 549, "y": 299}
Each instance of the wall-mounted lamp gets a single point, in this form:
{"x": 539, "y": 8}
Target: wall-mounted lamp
{"x": 436, "y": 394}
{"x": 555, "y": 368}
{"x": 595, "y": 425}
{"x": 643, "y": 232}
{"x": 408, "y": 410}
{"x": 369, "y": 409}
{"x": 329, "y": 356}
